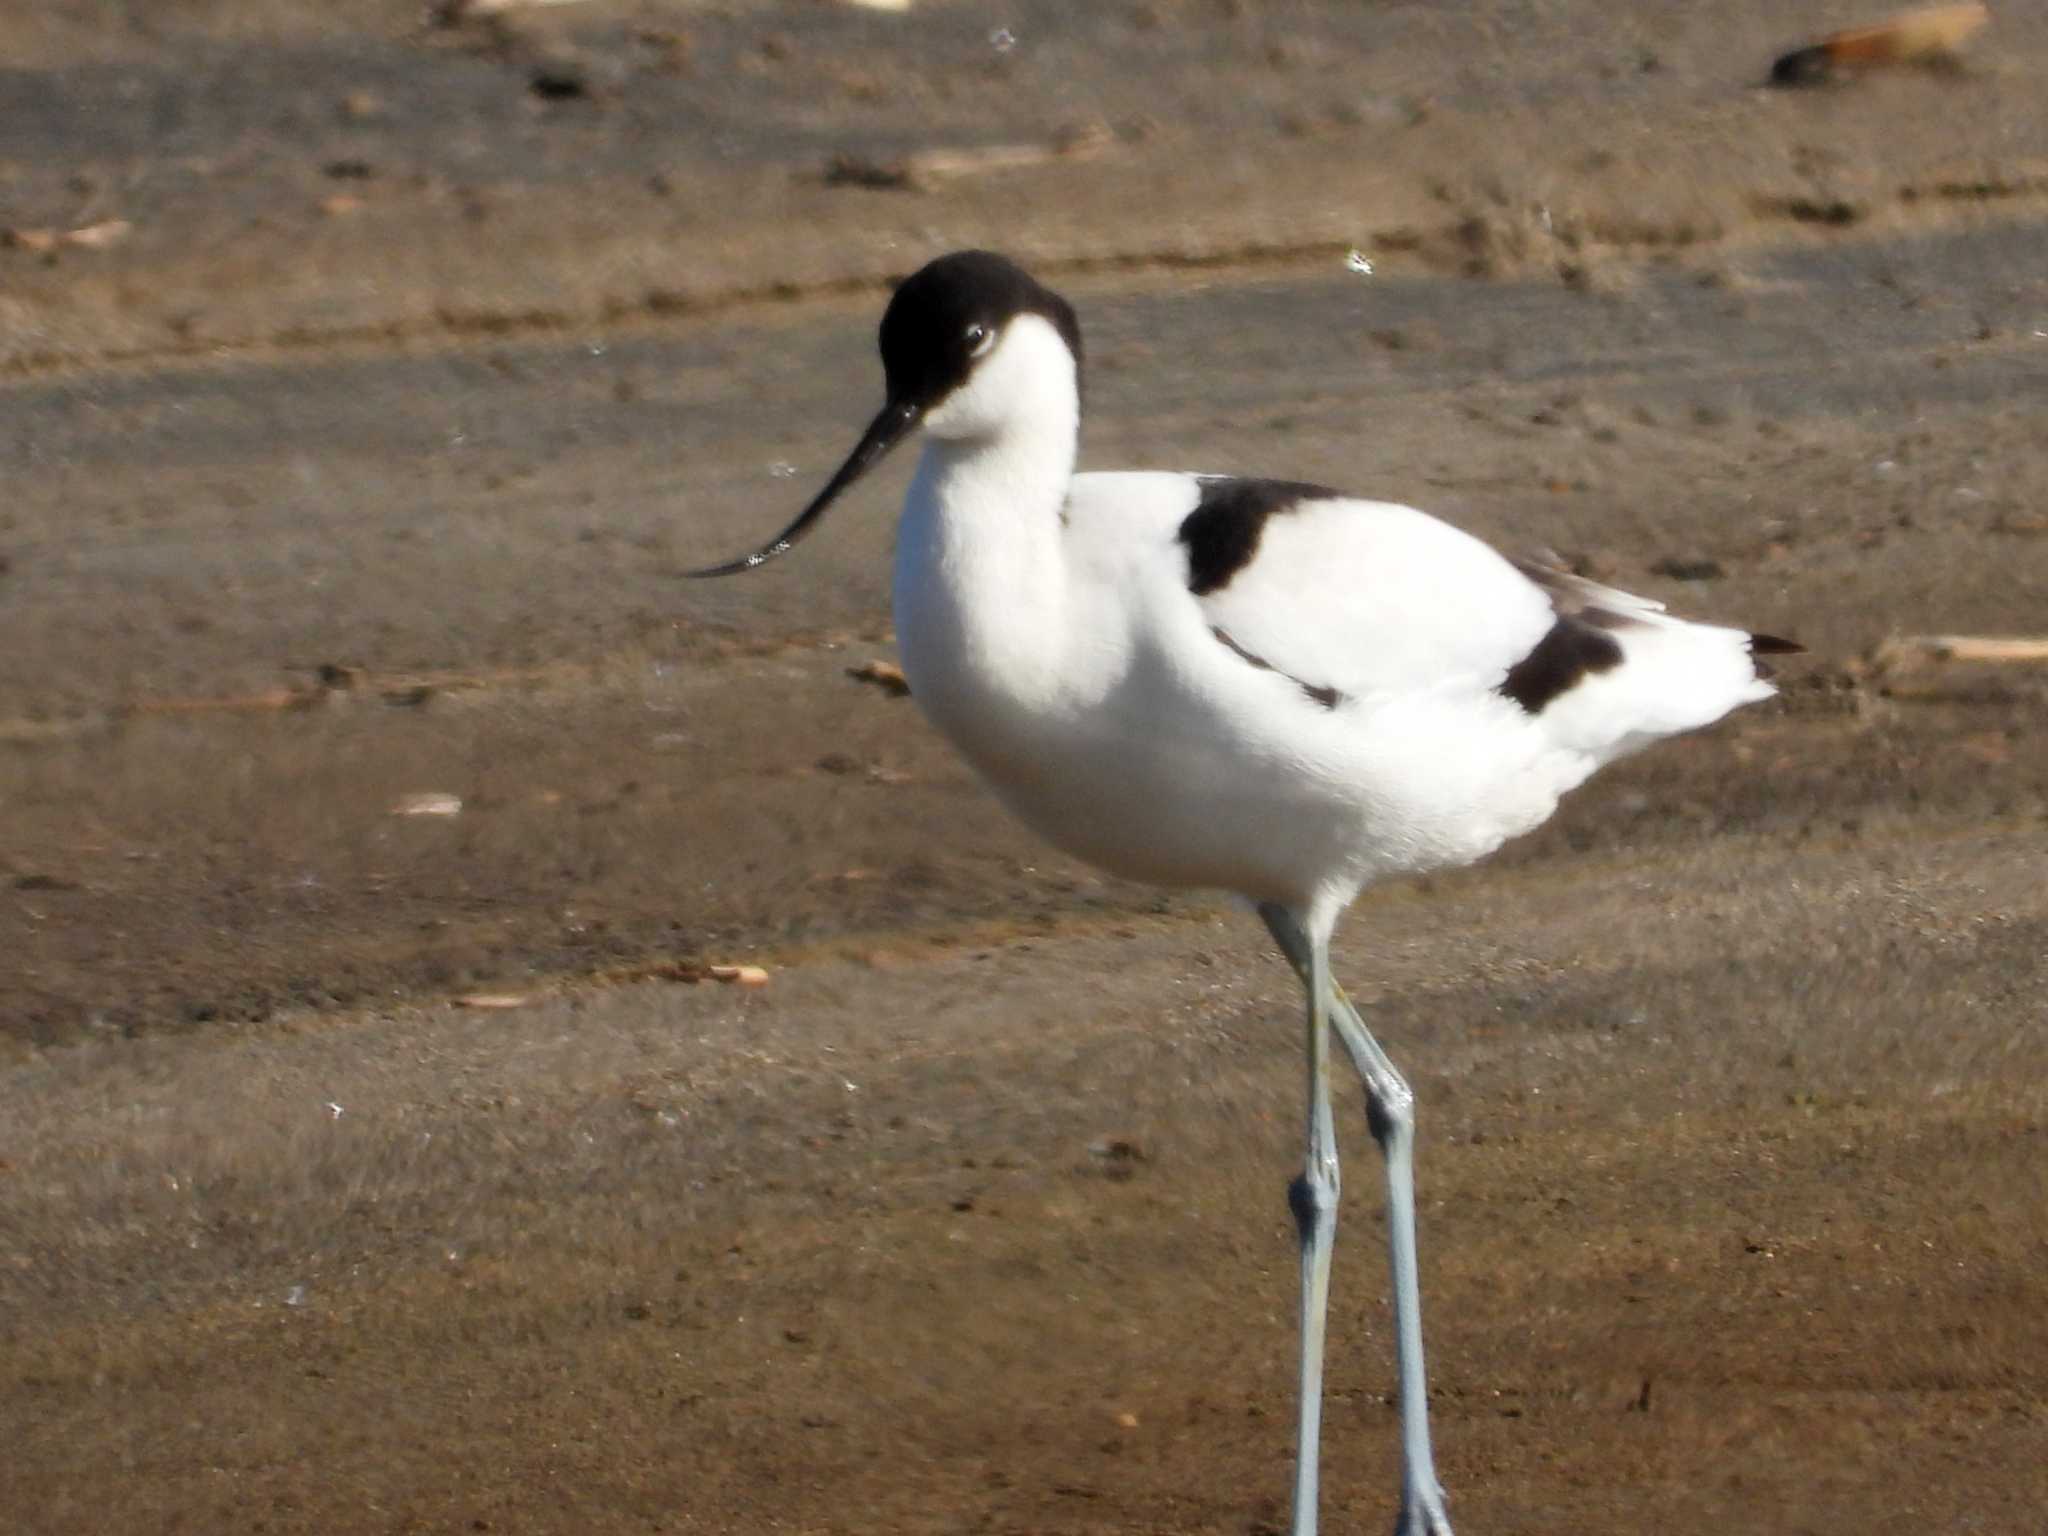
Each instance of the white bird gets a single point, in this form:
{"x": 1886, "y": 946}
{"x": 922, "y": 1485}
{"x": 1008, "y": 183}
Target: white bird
{"x": 1259, "y": 686}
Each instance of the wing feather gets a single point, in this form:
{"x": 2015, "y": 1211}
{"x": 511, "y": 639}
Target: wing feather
{"x": 1375, "y": 600}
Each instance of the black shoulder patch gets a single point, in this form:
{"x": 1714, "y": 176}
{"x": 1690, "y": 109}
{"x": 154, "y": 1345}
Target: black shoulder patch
{"x": 1570, "y": 651}
{"x": 1222, "y": 533}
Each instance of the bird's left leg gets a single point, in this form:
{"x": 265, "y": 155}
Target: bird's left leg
{"x": 1313, "y": 1199}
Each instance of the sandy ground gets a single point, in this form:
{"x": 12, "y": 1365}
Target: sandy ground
{"x": 361, "y": 465}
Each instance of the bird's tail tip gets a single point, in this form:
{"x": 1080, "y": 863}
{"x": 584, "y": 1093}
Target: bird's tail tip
{"x": 1774, "y": 645}
{"x": 1761, "y": 646}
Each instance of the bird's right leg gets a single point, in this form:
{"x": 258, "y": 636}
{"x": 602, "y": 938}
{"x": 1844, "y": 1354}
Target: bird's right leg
{"x": 1390, "y": 1110}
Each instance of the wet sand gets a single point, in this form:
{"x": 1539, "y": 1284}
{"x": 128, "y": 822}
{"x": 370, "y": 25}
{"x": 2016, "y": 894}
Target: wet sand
{"x": 1730, "y": 1079}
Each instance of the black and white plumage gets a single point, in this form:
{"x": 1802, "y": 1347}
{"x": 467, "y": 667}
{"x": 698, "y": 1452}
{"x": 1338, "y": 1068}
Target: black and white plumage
{"x": 1265, "y": 687}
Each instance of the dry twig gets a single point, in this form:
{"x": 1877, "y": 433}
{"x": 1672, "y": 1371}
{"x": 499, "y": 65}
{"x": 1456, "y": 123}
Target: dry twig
{"x": 1930, "y": 35}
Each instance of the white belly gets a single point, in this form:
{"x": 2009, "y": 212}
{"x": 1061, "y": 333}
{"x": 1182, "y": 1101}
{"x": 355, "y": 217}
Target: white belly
{"x": 1161, "y": 782}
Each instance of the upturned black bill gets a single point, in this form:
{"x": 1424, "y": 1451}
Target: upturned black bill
{"x": 896, "y": 422}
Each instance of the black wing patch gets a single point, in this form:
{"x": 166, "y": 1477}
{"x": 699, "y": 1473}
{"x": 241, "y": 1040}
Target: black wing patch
{"x": 1321, "y": 693}
{"x": 1572, "y": 650}
{"x": 1579, "y": 645}
{"x": 1562, "y": 657}
{"x": 1222, "y": 533}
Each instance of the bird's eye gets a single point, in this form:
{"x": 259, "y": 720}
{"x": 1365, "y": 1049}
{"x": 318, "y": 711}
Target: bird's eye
{"x": 979, "y": 339}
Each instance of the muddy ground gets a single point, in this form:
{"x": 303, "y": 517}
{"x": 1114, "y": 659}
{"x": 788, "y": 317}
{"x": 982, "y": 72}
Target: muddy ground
{"x": 361, "y": 464}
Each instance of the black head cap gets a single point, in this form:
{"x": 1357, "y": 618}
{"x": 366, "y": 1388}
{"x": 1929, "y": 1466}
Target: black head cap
{"x": 948, "y": 309}
{"x": 942, "y": 321}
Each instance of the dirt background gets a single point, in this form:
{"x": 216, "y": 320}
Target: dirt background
{"x": 356, "y": 457}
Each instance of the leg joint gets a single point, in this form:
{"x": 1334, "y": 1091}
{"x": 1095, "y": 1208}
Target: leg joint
{"x": 1390, "y": 1111}
{"x": 1314, "y": 1204}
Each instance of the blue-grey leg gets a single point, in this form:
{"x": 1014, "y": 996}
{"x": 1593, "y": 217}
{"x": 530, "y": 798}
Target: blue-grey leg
{"x": 1390, "y": 1110}
{"x": 1313, "y": 1199}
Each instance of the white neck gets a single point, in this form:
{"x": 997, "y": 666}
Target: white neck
{"x": 981, "y": 578}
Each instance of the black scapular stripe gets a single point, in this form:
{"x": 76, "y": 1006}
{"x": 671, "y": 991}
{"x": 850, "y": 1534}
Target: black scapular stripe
{"x": 1321, "y": 693}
